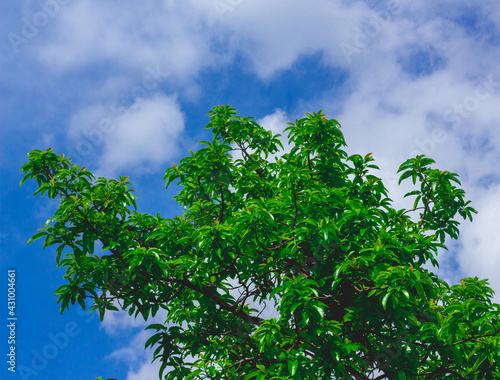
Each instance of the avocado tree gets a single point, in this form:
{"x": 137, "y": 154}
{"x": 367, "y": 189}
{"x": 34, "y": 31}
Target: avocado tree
{"x": 308, "y": 238}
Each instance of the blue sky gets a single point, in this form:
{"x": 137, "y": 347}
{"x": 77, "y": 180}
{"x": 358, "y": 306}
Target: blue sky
{"x": 124, "y": 88}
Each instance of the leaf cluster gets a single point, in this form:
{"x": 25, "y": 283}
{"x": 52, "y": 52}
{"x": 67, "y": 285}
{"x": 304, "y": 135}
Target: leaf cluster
{"x": 309, "y": 237}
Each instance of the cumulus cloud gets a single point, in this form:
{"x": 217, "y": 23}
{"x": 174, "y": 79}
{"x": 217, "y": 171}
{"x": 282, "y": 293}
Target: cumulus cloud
{"x": 186, "y": 37}
{"x": 272, "y": 35}
{"x": 92, "y": 32}
{"x": 147, "y": 135}
{"x": 137, "y": 138}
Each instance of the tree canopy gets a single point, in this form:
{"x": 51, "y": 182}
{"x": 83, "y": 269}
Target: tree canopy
{"x": 283, "y": 266}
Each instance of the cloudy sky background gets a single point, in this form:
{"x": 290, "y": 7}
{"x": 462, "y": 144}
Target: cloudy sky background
{"x": 123, "y": 87}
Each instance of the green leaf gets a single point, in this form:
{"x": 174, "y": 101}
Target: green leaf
{"x": 156, "y": 326}
{"x": 406, "y": 293}
{"x": 153, "y": 340}
{"x": 424, "y": 161}
{"x": 479, "y": 361}
{"x": 81, "y": 301}
{"x": 292, "y": 367}
{"x": 385, "y": 299}
{"x": 295, "y": 306}
{"x": 63, "y": 289}
{"x": 420, "y": 290}
{"x": 64, "y": 303}
{"x": 320, "y": 310}
{"x": 25, "y": 178}
{"x": 339, "y": 269}
{"x": 401, "y": 375}
{"x": 36, "y": 236}
{"x": 404, "y": 176}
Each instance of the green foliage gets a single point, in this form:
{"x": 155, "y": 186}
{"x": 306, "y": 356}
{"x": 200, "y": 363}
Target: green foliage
{"x": 311, "y": 233}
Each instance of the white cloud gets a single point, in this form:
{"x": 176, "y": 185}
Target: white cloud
{"x": 272, "y": 35}
{"x": 275, "y": 122}
{"x": 480, "y": 254}
{"x": 134, "y": 355}
{"x": 147, "y": 371}
{"x": 382, "y": 107}
{"x": 92, "y": 32}
{"x": 138, "y": 359}
{"x": 116, "y": 322}
{"x": 134, "y": 352}
{"x": 138, "y": 138}
{"x": 148, "y": 135}
{"x": 186, "y": 37}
